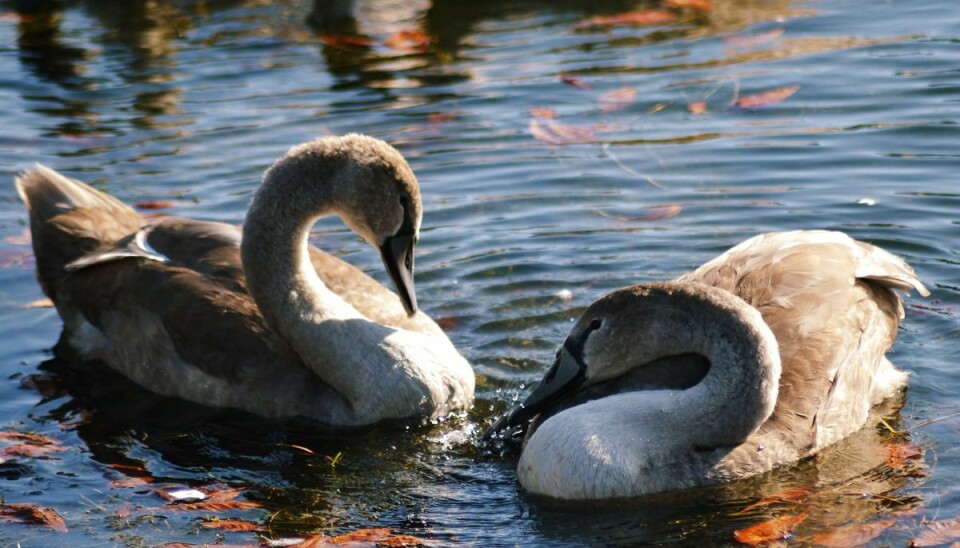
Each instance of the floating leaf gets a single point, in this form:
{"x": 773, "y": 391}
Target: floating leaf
{"x": 768, "y": 531}
{"x": 232, "y": 525}
{"x": 30, "y": 513}
{"x": 628, "y": 19}
{"x": 556, "y": 133}
{"x": 852, "y": 535}
{"x": 767, "y": 97}
{"x": 346, "y": 42}
{"x": 408, "y": 40}
{"x": 441, "y": 117}
{"x": 754, "y": 40}
{"x": 401, "y": 540}
{"x": 574, "y": 81}
{"x": 696, "y": 5}
{"x": 213, "y": 506}
{"x": 155, "y": 204}
{"x": 899, "y": 453}
{"x": 788, "y": 495}
{"x": 697, "y": 107}
{"x": 617, "y": 99}
{"x": 302, "y": 449}
{"x": 38, "y": 439}
{"x": 542, "y": 112}
{"x": 938, "y": 532}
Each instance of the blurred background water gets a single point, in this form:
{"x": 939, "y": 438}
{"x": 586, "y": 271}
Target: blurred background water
{"x": 562, "y": 153}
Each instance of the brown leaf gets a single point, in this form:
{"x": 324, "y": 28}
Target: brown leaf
{"x": 542, "y": 112}
{"x": 754, "y": 40}
{"x": 401, "y": 540}
{"x": 155, "y": 204}
{"x": 574, "y": 81}
{"x": 30, "y": 450}
{"x": 441, "y": 117}
{"x": 29, "y": 513}
{"x": 408, "y": 40}
{"x": 312, "y": 542}
{"x": 617, "y": 99}
{"x": 213, "y": 506}
{"x": 767, "y": 97}
{"x": 852, "y": 535}
{"x": 696, "y": 5}
{"x": 788, "y": 495}
{"x": 937, "y": 533}
{"x": 630, "y": 19}
{"x": 697, "y": 107}
{"x": 361, "y": 535}
{"x": 129, "y": 483}
{"x": 232, "y": 525}
{"x": 768, "y": 531}
{"x": 37, "y": 439}
{"x": 899, "y": 453}
{"x": 346, "y": 42}
{"x": 556, "y": 133}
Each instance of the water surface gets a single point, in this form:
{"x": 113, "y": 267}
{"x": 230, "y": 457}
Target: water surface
{"x": 528, "y": 220}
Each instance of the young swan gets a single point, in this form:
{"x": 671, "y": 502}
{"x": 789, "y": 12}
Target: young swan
{"x": 288, "y": 330}
{"x": 759, "y": 358}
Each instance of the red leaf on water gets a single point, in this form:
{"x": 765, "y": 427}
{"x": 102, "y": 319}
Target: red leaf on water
{"x": 312, "y": 542}
{"x": 852, "y": 535}
{"x": 213, "y": 506}
{"x": 232, "y": 525}
{"x": 555, "y": 133}
{"x": 767, "y": 97}
{"x": 24, "y": 238}
{"x": 754, "y": 40}
{"x": 696, "y": 5}
{"x": 346, "y": 42}
{"x": 788, "y": 495}
{"x": 899, "y": 453}
{"x": 155, "y": 204}
{"x": 630, "y": 18}
{"x": 21, "y": 437}
{"x": 30, "y": 513}
{"x": 938, "y": 532}
{"x": 617, "y": 99}
{"x": 408, "y": 40}
{"x": 574, "y": 81}
{"x": 542, "y": 112}
{"x": 697, "y": 107}
{"x": 361, "y": 535}
{"x": 768, "y": 531}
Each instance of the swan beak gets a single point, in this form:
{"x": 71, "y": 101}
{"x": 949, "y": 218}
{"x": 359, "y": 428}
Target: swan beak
{"x": 397, "y": 255}
{"x": 561, "y": 380}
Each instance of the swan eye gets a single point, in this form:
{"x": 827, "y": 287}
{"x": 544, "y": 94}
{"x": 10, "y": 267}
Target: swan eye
{"x": 595, "y": 324}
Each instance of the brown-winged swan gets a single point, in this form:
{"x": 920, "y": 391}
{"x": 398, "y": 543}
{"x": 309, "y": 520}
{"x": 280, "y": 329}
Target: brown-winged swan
{"x": 759, "y": 358}
{"x": 265, "y": 323}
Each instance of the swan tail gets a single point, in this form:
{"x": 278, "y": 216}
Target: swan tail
{"x": 69, "y": 219}
{"x": 888, "y": 271}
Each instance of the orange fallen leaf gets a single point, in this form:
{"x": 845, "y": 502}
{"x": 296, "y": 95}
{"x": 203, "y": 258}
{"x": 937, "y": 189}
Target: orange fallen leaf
{"x": 213, "y": 506}
{"x": 787, "y": 495}
{"x": 232, "y": 525}
{"x": 346, "y": 42}
{"x": 630, "y": 18}
{"x": 852, "y": 535}
{"x": 556, "y": 133}
{"x": 542, "y": 112}
{"x": 155, "y": 204}
{"x": 754, "y": 40}
{"x": 441, "y": 117}
{"x": 696, "y": 5}
{"x": 768, "y": 531}
{"x": 767, "y": 97}
{"x": 697, "y": 107}
{"x": 617, "y": 99}
{"x": 574, "y": 81}
{"x": 401, "y": 540}
{"x": 42, "y": 302}
{"x": 408, "y": 40}
{"x": 899, "y": 453}
{"x": 21, "y": 437}
{"x": 361, "y": 535}
{"x": 938, "y": 532}
{"x": 30, "y": 513}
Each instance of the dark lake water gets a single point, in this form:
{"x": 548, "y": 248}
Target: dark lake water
{"x": 528, "y": 219}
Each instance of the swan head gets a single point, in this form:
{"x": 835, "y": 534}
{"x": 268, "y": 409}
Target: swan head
{"x": 370, "y": 186}
{"x": 618, "y": 343}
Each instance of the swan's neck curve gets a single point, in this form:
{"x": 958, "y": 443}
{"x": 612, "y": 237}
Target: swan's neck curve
{"x": 380, "y": 371}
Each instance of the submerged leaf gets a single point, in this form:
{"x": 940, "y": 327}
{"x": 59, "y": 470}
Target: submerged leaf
{"x": 767, "y": 97}
{"x": 617, "y": 99}
{"x": 30, "y": 513}
{"x": 852, "y": 535}
{"x": 628, "y": 19}
{"x": 556, "y": 133}
{"x": 768, "y": 531}
{"x": 574, "y": 81}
